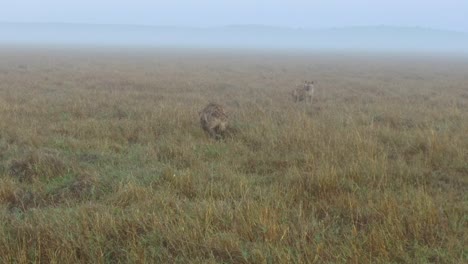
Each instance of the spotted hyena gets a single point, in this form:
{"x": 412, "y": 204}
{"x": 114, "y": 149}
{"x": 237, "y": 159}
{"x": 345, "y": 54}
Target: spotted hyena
{"x": 304, "y": 92}
{"x": 213, "y": 120}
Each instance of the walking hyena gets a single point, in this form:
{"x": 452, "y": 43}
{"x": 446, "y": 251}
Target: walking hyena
{"x": 304, "y": 92}
{"x": 213, "y": 120}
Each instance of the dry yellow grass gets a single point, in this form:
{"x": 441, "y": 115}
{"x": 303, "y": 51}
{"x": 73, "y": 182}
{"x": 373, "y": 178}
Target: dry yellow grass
{"x": 103, "y": 159}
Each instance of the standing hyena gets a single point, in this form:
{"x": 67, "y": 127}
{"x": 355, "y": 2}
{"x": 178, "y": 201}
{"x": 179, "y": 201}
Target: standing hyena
{"x": 304, "y": 92}
{"x": 213, "y": 119}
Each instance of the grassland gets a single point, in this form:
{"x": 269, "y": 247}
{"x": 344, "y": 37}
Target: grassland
{"x": 103, "y": 159}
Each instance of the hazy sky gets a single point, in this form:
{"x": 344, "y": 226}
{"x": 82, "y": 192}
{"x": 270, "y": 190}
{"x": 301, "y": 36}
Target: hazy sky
{"x": 443, "y": 14}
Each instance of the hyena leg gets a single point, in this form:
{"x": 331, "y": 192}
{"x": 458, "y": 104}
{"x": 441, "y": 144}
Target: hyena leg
{"x": 218, "y": 133}
{"x": 212, "y": 132}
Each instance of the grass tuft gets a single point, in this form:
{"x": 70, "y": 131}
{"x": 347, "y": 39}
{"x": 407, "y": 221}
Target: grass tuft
{"x": 37, "y": 165}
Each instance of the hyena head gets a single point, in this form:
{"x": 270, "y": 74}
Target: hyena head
{"x": 309, "y": 86}
{"x": 213, "y": 120}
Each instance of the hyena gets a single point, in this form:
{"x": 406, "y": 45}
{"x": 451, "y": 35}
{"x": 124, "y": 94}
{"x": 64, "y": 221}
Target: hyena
{"x": 213, "y": 120}
{"x": 304, "y": 92}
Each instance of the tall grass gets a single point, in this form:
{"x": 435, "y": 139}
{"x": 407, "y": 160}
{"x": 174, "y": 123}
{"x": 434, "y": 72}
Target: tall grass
{"x": 103, "y": 159}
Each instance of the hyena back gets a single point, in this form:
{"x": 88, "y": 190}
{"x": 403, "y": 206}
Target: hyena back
{"x": 304, "y": 92}
{"x": 213, "y": 120}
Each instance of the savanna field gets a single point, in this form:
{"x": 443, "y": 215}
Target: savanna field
{"x": 103, "y": 160}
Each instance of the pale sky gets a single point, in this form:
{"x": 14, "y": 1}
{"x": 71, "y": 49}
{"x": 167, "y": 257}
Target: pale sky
{"x": 441, "y": 14}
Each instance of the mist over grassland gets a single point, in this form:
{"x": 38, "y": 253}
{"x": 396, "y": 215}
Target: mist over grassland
{"x": 378, "y": 38}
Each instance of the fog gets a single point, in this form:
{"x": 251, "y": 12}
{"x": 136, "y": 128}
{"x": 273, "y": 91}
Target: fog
{"x": 379, "y": 38}
{"x": 414, "y": 26}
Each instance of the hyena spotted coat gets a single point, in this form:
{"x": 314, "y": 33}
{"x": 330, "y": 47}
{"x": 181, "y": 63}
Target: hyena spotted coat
{"x": 304, "y": 92}
{"x": 213, "y": 120}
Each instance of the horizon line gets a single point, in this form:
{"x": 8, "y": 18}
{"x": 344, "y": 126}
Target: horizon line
{"x": 284, "y": 27}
